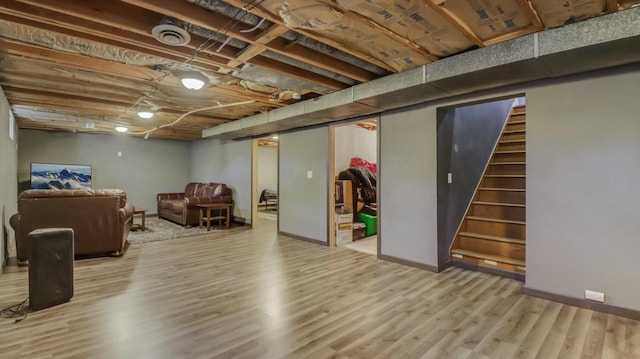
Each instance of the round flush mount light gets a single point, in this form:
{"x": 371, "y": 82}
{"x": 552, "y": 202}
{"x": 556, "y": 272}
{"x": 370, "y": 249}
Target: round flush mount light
{"x": 121, "y": 129}
{"x": 193, "y": 80}
{"x": 145, "y": 114}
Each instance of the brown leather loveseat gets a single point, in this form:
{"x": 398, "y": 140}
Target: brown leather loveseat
{"x": 181, "y": 207}
{"x": 100, "y": 219}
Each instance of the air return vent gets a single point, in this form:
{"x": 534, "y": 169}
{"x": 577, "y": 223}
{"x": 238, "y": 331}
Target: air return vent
{"x": 171, "y": 32}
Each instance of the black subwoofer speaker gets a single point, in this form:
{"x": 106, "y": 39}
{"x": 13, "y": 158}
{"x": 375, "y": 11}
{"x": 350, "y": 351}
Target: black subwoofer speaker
{"x": 50, "y": 267}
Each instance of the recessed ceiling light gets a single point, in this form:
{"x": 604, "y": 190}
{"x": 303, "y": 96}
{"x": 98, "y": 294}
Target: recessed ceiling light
{"x": 145, "y": 114}
{"x": 121, "y": 129}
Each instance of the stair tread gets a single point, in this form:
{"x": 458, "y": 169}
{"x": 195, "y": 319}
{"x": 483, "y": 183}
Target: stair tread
{"x": 487, "y": 219}
{"x": 513, "y": 131}
{"x": 499, "y": 204}
{"x": 501, "y": 259}
{"x": 507, "y": 176}
{"x": 508, "y": 163}
{"x": 493, "y": 238}
{"x": 513, "y": 141}
{"x": 516, "y": 122}
{"x": 502, "y": 189}
{"x": 510, "y": 152}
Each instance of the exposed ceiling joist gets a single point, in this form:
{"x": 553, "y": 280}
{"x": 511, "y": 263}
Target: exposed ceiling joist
{"x": 68, "y": 60}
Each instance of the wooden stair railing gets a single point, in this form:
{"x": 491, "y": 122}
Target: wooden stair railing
{"x": 492, "y": 233}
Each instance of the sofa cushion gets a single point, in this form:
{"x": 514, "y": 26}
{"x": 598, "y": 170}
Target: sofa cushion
{"x": 173, "y": 205}
{"x": 191, "y": 189}
{"x": 208, "y": 190}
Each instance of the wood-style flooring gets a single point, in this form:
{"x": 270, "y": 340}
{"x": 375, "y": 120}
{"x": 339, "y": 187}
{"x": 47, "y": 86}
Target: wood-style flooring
{"x": 251, "y": 294}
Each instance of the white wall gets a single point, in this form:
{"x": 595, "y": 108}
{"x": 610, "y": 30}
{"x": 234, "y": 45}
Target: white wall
{"x": 267, "y": 168}
{"x": 146, "y": 168}
{"x": 583, "y": 188}
{"x": 352, "y": 141}
{"x": 8, "y": 177}
{"x": 302, "y": 201}
{"x": 407, "y": 187}
{"x": 227, "y": 162}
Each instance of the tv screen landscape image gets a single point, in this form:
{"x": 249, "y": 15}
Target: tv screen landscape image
{"x": 60, "y": 176}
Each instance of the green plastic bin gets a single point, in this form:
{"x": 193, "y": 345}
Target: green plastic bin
{"x": 371, "y": 222}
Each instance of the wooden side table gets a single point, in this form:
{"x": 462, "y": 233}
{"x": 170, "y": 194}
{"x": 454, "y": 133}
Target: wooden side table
{"x": 142, "y": 212}
{"x": 208, "y": 217}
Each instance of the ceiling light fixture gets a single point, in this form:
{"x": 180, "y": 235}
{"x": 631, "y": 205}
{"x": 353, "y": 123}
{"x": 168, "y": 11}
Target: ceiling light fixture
{"x": 121, "y": 129}
{"x": 145, "y": 114}
{"x": 193, "y": 80}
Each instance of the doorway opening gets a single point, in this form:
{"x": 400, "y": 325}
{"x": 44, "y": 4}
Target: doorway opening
{"x": 353, "y": 194}
{"x": 265, "y": 181}
{"x": 481, "y": 186}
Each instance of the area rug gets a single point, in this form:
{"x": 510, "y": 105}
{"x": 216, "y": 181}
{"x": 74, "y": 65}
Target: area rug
{"x": 159, "y": 229}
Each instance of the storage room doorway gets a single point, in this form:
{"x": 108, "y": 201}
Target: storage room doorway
{"x": 265, "y": 181}
{"x": 354, "y": 195}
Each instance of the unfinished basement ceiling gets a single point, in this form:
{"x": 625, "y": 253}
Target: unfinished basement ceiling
{"x": 90, "y": 65}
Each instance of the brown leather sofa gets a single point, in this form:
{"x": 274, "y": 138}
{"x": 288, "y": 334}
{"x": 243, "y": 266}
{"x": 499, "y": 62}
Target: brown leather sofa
{"x": 181, "y": 207}
{"x": 100, "y": 219}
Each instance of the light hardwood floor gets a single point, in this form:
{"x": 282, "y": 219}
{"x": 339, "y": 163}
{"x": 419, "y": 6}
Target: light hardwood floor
{"x": 249, "y": 293}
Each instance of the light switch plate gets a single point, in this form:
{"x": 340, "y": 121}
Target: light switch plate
{"x": 449, "y": 178}
{"x": 309, "y": 174}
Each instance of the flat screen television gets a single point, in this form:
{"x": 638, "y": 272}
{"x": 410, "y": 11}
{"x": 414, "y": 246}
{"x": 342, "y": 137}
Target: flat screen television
{"x": 60, "y": 176}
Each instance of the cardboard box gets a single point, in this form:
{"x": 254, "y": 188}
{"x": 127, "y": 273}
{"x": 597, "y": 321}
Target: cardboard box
{"x": 344, "y": 237}
{"x": 344, "y": 218}
{"x": 344, "y": 194}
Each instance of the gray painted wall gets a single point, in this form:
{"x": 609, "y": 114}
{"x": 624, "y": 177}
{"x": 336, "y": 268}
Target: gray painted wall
{"x": 583, "y": 227}
{"x": 351, "y": 141}
{"x": 267, "y": 168}
{"x": 582, "y": 189}
{"x": 407, "y": 185}
{"x": 8, "y": 175}
{"x": 226, "y": 162}
{"x": 302, "y": 207}
{"x": 466, "y": 138}
{"x": 146, "y": 168}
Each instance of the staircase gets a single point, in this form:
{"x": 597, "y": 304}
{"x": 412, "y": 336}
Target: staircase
{"x": 492, "y": 233}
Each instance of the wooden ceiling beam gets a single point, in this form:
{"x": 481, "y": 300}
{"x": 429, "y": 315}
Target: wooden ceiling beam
{"x": 201, "y": 17}
{"x": 138, "y": 20}
{"x": 344, "y": 48}
{"x": 175, "y": 55}
{"x": 91, "y": 112}
{"x": 532, "y": 15}
{"x": 123, "y": 71}
{"x": 512, "y": 35}
{"x": 455, "y": 21}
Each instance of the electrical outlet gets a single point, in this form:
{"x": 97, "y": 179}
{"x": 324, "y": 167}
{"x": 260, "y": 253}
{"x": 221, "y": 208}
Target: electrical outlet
{"x": 449, "y": 178}
{"x": 594, "y": 296}
{"x": 309, "y": 174}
